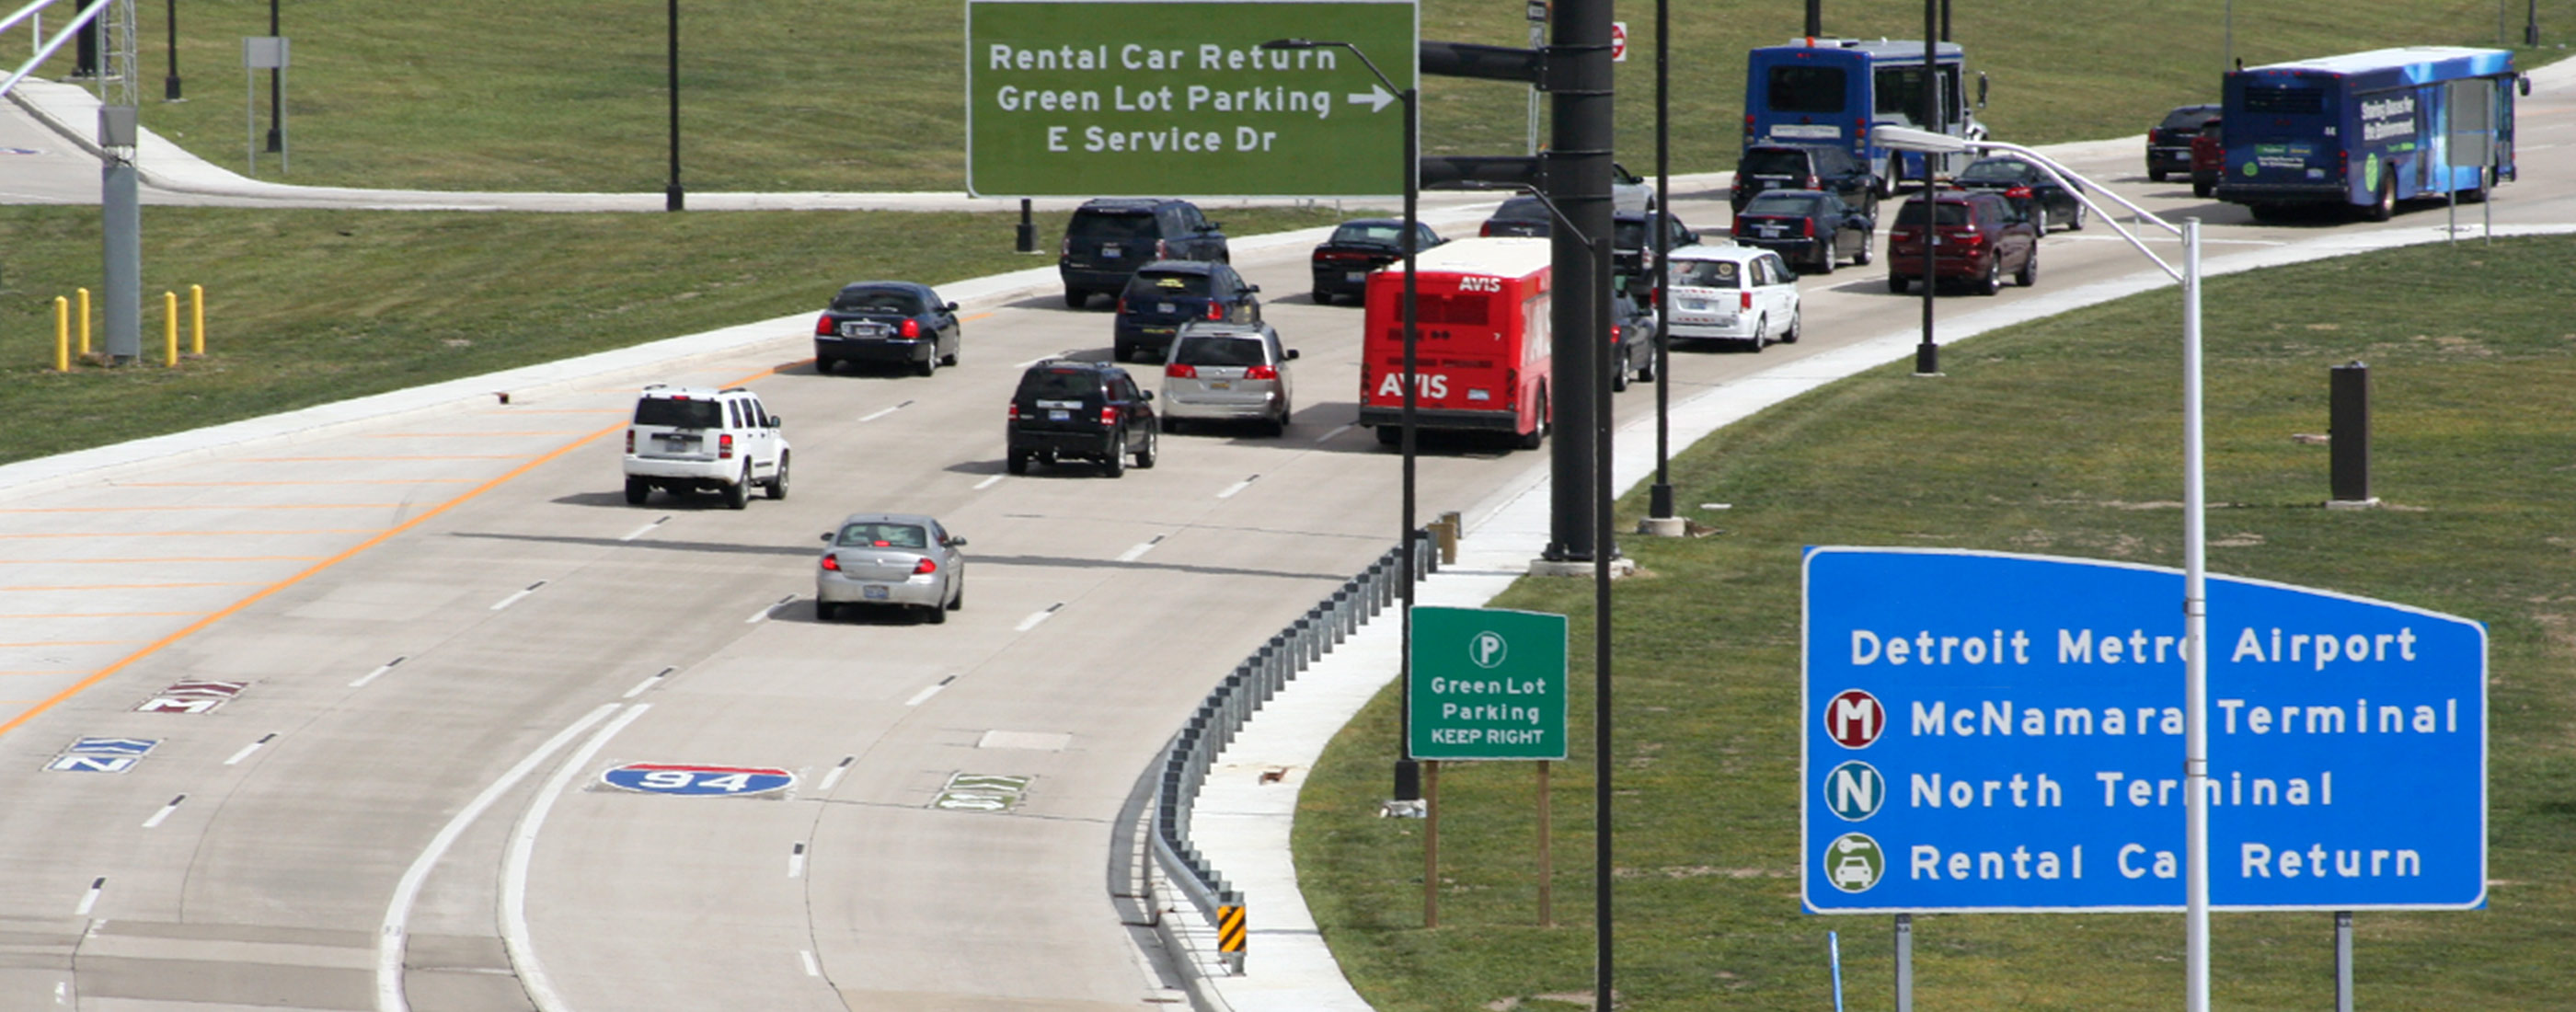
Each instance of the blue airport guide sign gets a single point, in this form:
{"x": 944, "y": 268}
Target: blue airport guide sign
{"x": 1996, "y": 732}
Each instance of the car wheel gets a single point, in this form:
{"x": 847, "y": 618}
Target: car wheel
{"x": 1323, "y": 298}
{"x": 937, "y": 616}
{"x": 1761, "y": 334}
{"x": 1046, "y": 457}
{"x": 1279, "y": 422}
{"x": 1116, "y": 462}
{"x": 738, "y": 494}
{"x": 825, "y": 611}
{"x": 1896, "y": 283}
{"x": 1390, "y": 435}
{"x": 2039, "y": 218}
{"x": 2028, "y": 275}
{"x": 2075, "y": 222}
{"x": 1121, "y": 352}
{"x": 777, "y": 484}
{"x": 638, "y": 490}
{"x": 950, "y": 359}
{"x": 1619, "y": 371}
{"x": 1861, "y": 258}
{"x": 2155, "y": 175}
{"x": 1017, "y": 462}
{"x": 1825, "y": 261}
{"x": 1145, "y": 455}
{"x": 1993, "y": 280}
{"x": 824, "y": 364}
{"x": 1797, "y": 324}
{"x": 2203, "y": 190}
{"x": 929, "y": 363}
{"x": 958, "y": 603}
{"x": 1075, "y": 297}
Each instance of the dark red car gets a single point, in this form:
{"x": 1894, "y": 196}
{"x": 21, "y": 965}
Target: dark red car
{"x": 2208, "y": 159}
{"x": 1976, "y": 237}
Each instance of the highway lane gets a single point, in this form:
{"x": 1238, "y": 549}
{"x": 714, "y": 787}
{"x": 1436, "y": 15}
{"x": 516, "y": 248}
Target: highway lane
{"x": 543, "y": 605}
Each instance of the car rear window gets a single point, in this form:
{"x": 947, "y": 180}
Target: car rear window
{"x": 1220, "y": 351}
{"x": 883, "y": 535}
{"x": 1773, "y": 162}
{"x": 1158, "y": 283}
{"x": 1374, "y": 235}
{"x": 1708, "y": 274}
{"x": 1113, "y": 226}
{"x": 2002, "y": 171}
{"x": 877, "y": 300}
{"x": 2188, "y": 118}
{"x": 1060, "y": 384}
{"x": 1521, "y": 209}
{"x": 678, "y": 413}
{"x": 1781, "y": 204}
{"x": 1950, "y": 214}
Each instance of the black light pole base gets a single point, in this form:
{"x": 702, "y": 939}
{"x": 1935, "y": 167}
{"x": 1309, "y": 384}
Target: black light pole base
{"x": 1927, "y": 359}
{"x": 170, "y": 89}
{"x": 1408, "y": 780}
{"x": 276, "y": 140}
{"x": 673, "y": 199}
{"x": 1659, "y": 500}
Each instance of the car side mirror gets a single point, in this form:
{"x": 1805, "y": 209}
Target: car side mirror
{"x": 1212, "y": 227}
{"x": 1144, "y": 395}
{"x": 949, "y": 308}
{"x": 955, "y": 541}
{"x": 827, "y": 535}
{"x": 1251, "y": 288}
{"x": 2522, "y": 83}
{"x": 1290, "y": 355}
{"x": 777, "y": 420}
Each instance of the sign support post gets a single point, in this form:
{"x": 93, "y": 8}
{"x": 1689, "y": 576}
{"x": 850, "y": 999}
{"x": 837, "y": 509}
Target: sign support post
{"x": 1431, "y": 843}
{"x": 1546, "y": 864}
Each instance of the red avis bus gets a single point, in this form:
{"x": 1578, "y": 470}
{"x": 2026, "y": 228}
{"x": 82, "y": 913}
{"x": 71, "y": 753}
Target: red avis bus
{"x": 1483, "y": 358}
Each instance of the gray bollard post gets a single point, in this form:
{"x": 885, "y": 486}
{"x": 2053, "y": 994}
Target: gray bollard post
{"x": 2348, "y": 429}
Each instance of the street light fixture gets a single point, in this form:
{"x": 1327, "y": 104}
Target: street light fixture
{"x": 2195, "y": 590}
{"x": 1408, "y": 775}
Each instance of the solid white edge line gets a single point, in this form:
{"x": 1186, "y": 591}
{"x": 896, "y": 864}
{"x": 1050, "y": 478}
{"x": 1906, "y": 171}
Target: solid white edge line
{"x": 990, "y": 482}
{"x": 917, "y": 699}
{"x": 812, "y": 968}
{"x": 390, "y": 936}
{"x": 515, "y": 939}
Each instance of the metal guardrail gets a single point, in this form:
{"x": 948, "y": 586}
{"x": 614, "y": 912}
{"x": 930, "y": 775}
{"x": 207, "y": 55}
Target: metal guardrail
{"x": 1233, "y": 702}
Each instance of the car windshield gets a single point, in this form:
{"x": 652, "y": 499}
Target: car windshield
{"x": 1782, "y": 205}
{"x": 679, "y": 413}
{"x": 1773, "y": 162}
{"x": 1149, "y": 284}
{"x": 1951, "y": 214}
{"x": 1368, "y": 234}
{"x": 1220, "y": 351}
{"x": 1060, "y": 384}
{"x": 1112, "y": 226}
{"x": 883, "y": 535}
{"x": 1628, "y": 233}
{"x": 1708, "y": 274}
{"x": 877, "y": 300}
{"x": 2000, "y": 170}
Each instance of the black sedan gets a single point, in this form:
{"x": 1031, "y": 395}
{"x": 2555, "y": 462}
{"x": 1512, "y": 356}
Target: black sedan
{"x": 1810, "y": 228}
{"x": 1521, "y": 216}
{"x": 1342, "y": 264}
{"x": 887, "y": 321}
{"x": 2029, "y": 187}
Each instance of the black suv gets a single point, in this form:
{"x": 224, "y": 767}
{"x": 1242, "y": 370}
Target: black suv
{"x": 1086, "y": 410}
{"x": 1632, "y": 244}
{"x": 1108, "y": 238}
{"x": 1804, "y": 167}
{"x": 2169, "y": 141}
{"x": 1167, "y": 293}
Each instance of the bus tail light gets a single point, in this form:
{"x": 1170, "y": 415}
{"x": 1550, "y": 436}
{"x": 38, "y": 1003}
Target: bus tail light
{"x": 1259, "y": 372}
{"x": 724, "y": 446}
{"x": 1181, "y": 370}
{"x": 1748, "y": 126}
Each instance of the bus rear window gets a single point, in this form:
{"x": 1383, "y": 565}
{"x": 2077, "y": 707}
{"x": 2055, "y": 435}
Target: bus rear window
{"x": 1808, "y": 89}
{"x": 1471, "y": 310}
{"x": 2284, "y": 101}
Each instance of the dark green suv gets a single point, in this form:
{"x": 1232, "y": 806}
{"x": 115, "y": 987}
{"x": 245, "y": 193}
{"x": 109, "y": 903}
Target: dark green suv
{"x": 1083, "y": 410}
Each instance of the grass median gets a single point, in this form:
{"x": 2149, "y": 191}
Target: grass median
{"x": 2059, "y": 437}
{"x": 308, "y": 307}
{"x": 779, "y": 95}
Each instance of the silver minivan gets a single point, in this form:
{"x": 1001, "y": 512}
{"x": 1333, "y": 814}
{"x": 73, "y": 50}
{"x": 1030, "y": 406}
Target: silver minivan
{"x": 1221, "y": 371}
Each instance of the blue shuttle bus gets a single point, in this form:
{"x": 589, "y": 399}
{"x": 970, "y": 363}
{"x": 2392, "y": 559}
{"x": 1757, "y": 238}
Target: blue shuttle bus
{"x": 1829, "y": 92}
{"x": 2366, "y": 130}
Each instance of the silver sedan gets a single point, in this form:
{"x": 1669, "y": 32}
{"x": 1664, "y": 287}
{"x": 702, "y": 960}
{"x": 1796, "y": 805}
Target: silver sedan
{"x": 892, "y": 559}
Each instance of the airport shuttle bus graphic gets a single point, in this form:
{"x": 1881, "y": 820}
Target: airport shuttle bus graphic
{"x": 1483, "y": 359}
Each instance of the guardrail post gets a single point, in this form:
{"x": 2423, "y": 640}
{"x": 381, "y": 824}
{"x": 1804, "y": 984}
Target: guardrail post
{"x": 1452, "y": 527}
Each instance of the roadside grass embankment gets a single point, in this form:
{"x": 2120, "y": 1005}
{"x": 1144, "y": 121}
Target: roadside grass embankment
{"x": 787, "y": 95}
{"x": 307, "y": 307}
{"x": 2061, "y": 437}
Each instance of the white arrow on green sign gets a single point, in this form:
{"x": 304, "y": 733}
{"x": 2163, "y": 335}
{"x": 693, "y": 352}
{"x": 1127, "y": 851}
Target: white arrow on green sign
{"x": 1487, "y": 683}
{"x": 1139, "y": 98}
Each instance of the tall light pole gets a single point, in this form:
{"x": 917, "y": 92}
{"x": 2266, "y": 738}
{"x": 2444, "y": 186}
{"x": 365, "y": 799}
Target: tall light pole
{"x": 1659, "y": 497}
{"x": 1408, "y": 775}
{"x": 2195, "y": 533}
{"x": 170, "y": 82}
{"x": 1927, "y": 354}
{"x": 672, "y": 197}
{"x": 276, "y": 91}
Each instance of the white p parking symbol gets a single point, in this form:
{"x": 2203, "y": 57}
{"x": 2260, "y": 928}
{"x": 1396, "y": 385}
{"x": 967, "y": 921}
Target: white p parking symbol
{"x": 1487, "y": 649}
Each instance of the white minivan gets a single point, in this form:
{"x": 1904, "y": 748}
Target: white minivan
{"x": 1220, "y": 371}
{"x": 1732, "y": 293}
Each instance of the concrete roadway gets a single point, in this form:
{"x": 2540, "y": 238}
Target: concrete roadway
{"x": 445, "y": 816}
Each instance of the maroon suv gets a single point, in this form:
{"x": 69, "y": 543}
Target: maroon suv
{"x": 1977, "y": 237}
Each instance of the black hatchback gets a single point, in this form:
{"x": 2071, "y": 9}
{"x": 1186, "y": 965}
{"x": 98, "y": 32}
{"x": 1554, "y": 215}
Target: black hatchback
{"x": 1081, "y": 410}
{"x": 887, "y": 321}
{"x": 1109, "y": 237}
{"x": 1167, "y": 293}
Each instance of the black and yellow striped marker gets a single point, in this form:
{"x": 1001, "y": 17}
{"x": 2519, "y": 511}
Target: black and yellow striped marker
{"x": 1229, "y": 929}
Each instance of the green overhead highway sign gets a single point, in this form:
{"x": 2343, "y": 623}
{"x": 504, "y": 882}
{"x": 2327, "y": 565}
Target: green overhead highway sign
{"x": 1076, "y": 98}
{"x": 1487, "y": 684}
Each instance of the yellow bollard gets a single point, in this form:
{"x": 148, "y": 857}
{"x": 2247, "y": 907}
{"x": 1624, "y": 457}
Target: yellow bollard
{"x": 170, "y": 325}
{"x": 62, "y": 334}
{"x": 84, "y": 332}
{"x": 197, "y": 317}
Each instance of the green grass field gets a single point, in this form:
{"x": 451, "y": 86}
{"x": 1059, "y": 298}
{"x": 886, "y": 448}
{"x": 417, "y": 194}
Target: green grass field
{"x": 869, "y": 95}
{"x": 307, "y": 307}
{"x": 2059, "y": 437}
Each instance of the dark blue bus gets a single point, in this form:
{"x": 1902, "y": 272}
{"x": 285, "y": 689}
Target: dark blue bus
{"x": 2366, "y": 130}
{"x": 1829, "y": 92}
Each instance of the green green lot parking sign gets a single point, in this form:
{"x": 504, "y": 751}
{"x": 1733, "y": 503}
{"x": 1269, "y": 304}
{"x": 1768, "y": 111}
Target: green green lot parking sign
{"x": 1487, "y": 684}
{"x": 1068, "y": 98}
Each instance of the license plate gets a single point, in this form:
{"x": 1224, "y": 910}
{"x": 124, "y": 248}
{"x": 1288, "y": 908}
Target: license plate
{"x": 1165, "y": 307}
{"x": 1058, "y": 415}
{"x": 1109, "y": 250}
{"x": 1355, "y": 276}
{"x": 1772, "y": 231}
{"x": 863, "y": 329}
{"x": 1220, "y": 385}
{"x": 675, "y": 442}
{"x": 873, "y": 593}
